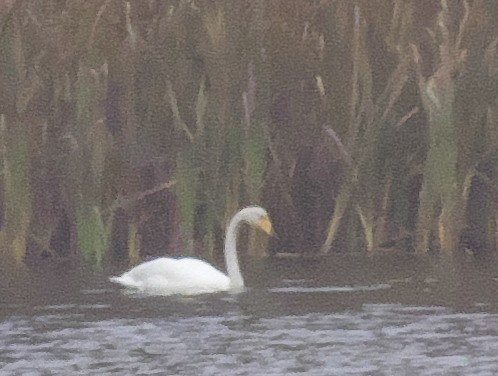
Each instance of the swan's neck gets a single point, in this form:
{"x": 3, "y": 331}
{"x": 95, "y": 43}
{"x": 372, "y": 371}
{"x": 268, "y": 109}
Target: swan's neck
{"x": 231, "y": 260}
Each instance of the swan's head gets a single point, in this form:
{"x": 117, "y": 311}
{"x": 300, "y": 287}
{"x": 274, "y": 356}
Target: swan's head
{"x": 257, "y": 217}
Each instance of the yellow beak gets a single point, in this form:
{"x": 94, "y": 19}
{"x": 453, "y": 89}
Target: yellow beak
{"x": 265, "y": 225}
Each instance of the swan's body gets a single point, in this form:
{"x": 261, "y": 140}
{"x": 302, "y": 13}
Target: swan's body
{"x": 191, "y": 276}
{"x": 186, "y": 276}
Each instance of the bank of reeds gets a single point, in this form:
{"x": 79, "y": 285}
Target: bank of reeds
{"x": 133, "y": 128}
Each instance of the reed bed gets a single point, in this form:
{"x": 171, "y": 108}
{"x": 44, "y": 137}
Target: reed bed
{"x": 131, "y": 129}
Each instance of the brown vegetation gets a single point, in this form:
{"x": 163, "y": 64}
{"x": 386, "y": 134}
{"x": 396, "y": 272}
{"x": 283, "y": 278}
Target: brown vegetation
{"x": 133, "y": 128}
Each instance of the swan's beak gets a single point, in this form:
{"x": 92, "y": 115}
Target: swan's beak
{"x": 265, "y": 225}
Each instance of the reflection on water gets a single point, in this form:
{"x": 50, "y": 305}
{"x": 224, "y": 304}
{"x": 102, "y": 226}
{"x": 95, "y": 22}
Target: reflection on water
{"x": 379, "y": 286}
{"x": 349, "y": 316}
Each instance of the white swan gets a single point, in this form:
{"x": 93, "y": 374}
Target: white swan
{"x": 191, "y": 276}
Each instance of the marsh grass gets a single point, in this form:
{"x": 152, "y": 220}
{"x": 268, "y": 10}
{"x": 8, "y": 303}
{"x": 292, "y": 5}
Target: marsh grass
{"x": 356, "y": 123}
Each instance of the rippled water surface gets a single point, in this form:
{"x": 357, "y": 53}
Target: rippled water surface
{"x": 345, "y": 316}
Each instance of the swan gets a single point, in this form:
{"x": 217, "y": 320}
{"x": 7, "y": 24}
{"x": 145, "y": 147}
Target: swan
{"x": 191, "y": 276}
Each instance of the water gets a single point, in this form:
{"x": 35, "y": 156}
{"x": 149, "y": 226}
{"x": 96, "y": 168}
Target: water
{"x": 347, "y": 316}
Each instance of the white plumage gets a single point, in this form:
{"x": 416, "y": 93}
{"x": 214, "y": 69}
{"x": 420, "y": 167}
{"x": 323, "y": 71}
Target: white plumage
{"x": 191, "y": 276}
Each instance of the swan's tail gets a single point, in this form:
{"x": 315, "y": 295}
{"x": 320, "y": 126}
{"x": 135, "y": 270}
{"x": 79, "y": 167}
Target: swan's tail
{"x": 115, "y": 280}
{"x": 124, "y": 280}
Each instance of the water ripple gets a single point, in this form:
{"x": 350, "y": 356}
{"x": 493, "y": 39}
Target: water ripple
{"x": 379, "y": 339}
{"x": 301, "y": 289}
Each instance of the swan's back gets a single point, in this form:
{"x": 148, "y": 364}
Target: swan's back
{"x": 187, "y": 276}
